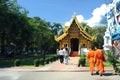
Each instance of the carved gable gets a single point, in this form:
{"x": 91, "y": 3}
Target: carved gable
{"x": 74, "y": 28}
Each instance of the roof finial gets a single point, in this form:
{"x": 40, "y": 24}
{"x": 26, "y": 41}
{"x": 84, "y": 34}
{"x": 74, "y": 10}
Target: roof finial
{"x": 74, "y": 13}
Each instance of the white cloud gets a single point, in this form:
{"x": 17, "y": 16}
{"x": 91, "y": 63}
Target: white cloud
{"x": 80, "y": 18}
{"x": 67, "y": 23}
{"x": 97, "y": 16}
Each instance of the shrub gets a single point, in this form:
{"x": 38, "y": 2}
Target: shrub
{"x": 83, "y": 55}
{"x": 57, "y": 57}
{"x": 17, "y": 62}
{"x": 82, "y": 60}
{"x": 54, "y": 58}
{"x": 36, "y": 62}
{"x": 42, "y": 62}
{"x": 47, "y": 61}
{"x": 51, "y": 59}
{"x": 113, "y": 60}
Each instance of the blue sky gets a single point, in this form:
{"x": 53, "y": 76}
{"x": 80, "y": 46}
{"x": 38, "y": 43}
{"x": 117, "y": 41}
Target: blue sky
{"x": 61, "y": 11}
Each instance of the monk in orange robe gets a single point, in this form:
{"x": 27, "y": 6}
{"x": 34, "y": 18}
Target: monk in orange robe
{"x": 90, "y": 57}
{"x": 99, "y": 61}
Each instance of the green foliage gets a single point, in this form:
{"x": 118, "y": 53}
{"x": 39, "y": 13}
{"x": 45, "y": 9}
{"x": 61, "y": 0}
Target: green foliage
{"x": 56, "y": 28}
{"x": 113, "y": 60}
{"x": 82, "y": 60}
{"x": 24, "y": 61}
{"x": 17, "y": 62}
{"x": 87, "y": 28}
{"x": 42, "y": 62}
{"x": 7, "y": 62}
{"x": 25, "y": 32}
{"x": 98, "y": 34}
{"x": 36, "y": 62}
{"x": 47, "y": 60}
{"x": 83, "y": 55}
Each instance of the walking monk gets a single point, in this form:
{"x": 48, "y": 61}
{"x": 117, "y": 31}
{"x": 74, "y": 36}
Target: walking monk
{"x": 99, "y": 61}
{"x": 90, "y": 57}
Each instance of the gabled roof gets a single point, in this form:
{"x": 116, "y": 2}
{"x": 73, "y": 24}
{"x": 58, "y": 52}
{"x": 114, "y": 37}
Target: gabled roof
{"x": 82, "y": 31}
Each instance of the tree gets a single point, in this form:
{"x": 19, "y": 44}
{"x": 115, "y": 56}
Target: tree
{"x": 43, "y": 36}
{"x": 99, "y": 33}
{"x": 56, "y": 28}
{"x": 87, "y": 28}
{"x": 13, "y": 22}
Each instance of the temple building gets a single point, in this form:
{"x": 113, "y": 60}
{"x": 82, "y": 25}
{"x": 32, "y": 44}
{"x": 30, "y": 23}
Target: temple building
{"x": 74, "y": 37}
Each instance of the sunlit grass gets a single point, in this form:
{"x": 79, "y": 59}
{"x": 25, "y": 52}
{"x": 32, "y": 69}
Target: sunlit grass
{"x": 106, "y": 64}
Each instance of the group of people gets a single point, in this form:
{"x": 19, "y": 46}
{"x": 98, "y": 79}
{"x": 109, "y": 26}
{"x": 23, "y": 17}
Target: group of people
{"x": 96, "y": 58}
{"x": 64, "y": 54}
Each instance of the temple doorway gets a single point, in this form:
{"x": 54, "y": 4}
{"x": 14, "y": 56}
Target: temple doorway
{"x": 74, "y": 44}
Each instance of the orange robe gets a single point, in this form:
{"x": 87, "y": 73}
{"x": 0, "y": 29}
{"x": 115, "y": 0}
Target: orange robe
{"x": 90, "y": 57}
{"x": 99, "y": 60}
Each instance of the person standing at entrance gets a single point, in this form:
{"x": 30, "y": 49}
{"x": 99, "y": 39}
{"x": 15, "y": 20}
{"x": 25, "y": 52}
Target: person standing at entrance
{"x": 99, "y": 61}
{"x": 90, "y": 57}
{"x": 66, "y": 55}
{"x": 61, "y": 53}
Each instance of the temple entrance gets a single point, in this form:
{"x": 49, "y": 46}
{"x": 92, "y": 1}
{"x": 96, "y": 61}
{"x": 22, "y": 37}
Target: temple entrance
{"x": 74, "y": 46}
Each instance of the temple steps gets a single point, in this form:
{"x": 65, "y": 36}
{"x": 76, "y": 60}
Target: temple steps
{"x": 74, "y": 54}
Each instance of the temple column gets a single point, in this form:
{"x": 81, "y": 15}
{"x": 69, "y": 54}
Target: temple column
{"x": 79, "y": 48}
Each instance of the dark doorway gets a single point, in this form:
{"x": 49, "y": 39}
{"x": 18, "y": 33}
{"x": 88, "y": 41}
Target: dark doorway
{"x": 74, "y": 44}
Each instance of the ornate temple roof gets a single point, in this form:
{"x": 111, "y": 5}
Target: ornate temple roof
{"x": 82, "y": 31}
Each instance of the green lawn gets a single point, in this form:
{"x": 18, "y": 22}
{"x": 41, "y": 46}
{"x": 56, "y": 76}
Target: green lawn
{"x": 106, "y": 64}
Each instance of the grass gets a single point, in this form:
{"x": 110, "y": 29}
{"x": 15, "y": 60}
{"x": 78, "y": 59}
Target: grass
{"x": 106, "y": 64}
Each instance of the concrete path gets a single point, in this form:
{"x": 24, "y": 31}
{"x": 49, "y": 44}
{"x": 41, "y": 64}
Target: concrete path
{"x": 36, "y": 75}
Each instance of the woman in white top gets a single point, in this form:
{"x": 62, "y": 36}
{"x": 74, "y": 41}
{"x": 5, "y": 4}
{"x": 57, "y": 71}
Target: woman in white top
{"x": 66, "y": 54}
{"x": 61, "y": 53}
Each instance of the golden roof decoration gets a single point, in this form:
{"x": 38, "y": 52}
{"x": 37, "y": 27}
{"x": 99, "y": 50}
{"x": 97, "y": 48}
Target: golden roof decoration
{"x": 82, "y": 31}
{"x": 65, "y": 28}
{"x": 61, "y": 37}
